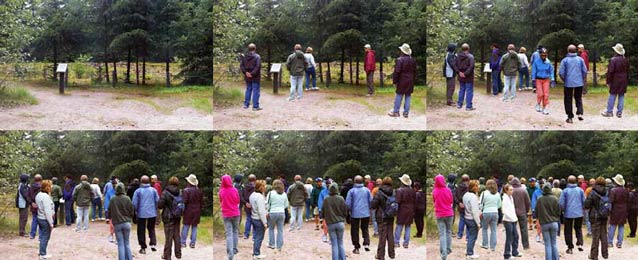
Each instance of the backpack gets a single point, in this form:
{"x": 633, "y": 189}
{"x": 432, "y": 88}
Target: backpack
{"x": 177, "y": 207}
{"x": 391, "y": 206}
{"x": 604, "y": 206}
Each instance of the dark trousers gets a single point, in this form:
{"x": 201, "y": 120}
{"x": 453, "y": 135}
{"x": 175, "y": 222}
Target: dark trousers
{"x": 24, "y": 216}
{"x": 522, "y": 225}
{"x": 69, "y": 213}
{"x": 172, "y": 236}
{"x": 142, "y": 225}
{"x": 599, "y": 235}
{"x": 572, "y": 224}
{"x": 56, "y": 207}
{"x": 573, "y": 94}
{"x": 370, "y": 82}
{"x": 360, "y": 223}
{"x": 632, "y": 219}
{"x": 451, "y": 85}
{"x": 511, "y": 240}
{"x": 386, "y": 235}
{"x": 418, "y": 220}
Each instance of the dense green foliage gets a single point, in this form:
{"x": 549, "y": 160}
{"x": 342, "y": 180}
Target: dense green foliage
{"x": 335, "y": 29}
{"x": 340, "y": 155}
{"x": 533, "y": 153}
{"x": 126, "y": 155}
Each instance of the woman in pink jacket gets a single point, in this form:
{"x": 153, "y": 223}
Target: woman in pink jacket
{"x": 229, "y": 202}
{"x": 442, "y": 198}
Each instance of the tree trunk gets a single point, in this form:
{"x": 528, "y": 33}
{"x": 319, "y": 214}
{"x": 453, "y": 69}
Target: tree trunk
{"x": 106, "y": 66}
{"x": 482, "y": 60}
{"x": 143, "y": 70}
{"x": 595, "y": 74}
{"x": 127, "y": 80}
{"x": 114, "y": 71}
{"x": 343, "y": 59}
{"x": 137, "y": 70}
{"x": 356, "y": 79}
{"x": 556, "y": 64}
{"x": 350, "y": 66}
{"x": 55, "y": 61}
{"x": 320, "y": 74}
{"x": 381, "y": 72}
{"x": 168, "y": 70}
{"x": 268, "y": 58}
{"x": 328, "y": 76}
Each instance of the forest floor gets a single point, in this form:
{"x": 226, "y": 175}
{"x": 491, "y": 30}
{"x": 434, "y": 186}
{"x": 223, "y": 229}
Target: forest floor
{"x": 306, "y": 244}
{"x": 110, "y": 109}
{"x": 336, "y": 108}
{"x": 493, "y": 114}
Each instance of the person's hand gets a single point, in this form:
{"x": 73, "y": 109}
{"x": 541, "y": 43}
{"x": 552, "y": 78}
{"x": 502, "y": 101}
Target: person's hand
{"x": 247, "y": 205}
{"x": 51, "y": 226}
{"x": 553, "y": 84}
{"x": 248, "y": 75}
{"x": 267, "y": 215}
{"x": 462, "y": 74}
{"x": 461, "y": 205}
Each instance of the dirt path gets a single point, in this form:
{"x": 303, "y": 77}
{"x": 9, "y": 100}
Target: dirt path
{"x": 493, "y": 114}
{"x": 66, "y": 244}
{"x": 536, "y": 251}
{"x": 306, "y": 244}
{"x": 318, "y": 110}
{"x": 92, "y": 110}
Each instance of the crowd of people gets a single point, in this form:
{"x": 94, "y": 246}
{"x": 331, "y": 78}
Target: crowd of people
{"x": 138, "y": 203}
{"x": 604, "y": 205}
{"x": 301, "y": 65}
{"x": 572, "y": 70}
{"x": 359, "y": 202}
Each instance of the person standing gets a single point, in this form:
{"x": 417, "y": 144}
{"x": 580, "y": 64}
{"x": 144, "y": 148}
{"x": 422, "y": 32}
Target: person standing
{"x": 121, "y": 215}
{"x": 465, "y": 68}
{"x": 490, "y": 203}
{"x": 358, "y": 201}
{"x": 535, "y": 56}
{"x": 310, "y": 70}
{"x": 296, "y": 64}
{"x": 193, "y": 209}
{"x": 45, "y": 212}
{"x": 419, "y": 209}
{"x": 472, "y": 218}
{"x": 548, "y": 213}
{"x": 510, "y": 64}
{"x": 250, "y": 66}
{"x": 229, "y": 202}
{"x": 157, "y": 185}
{"x": 145, "y": 201}
{"x": 617, "y": 81}
{"x": 248, "y": 190}
{"x": 403, "y": 78}
{"x": 316, "y": 191}
{"x": 82, "y": 197}
{"x": 96, "y": 201}
{"x": 258, "y": 217}
{"x": 405, "y": 197}
{"x": 459, "y": 192}
{"x": 173, "y": 207}
{"x": 523, "y": 72}
{"x": 56, "y": 194}
{"x": 632, "y": 213}
{"x": 373, "y": 212}
{"x": 297, "y": 197}
{"x": 522, "y": 205}
{"x": 542, "y": 79}
{"x": 572, "y": 201}
{"x": 495, "y": 59}
{"x": 22, "y": 203}
{"x": 618, "y": 197}
{"x": 574, "y": 73}
{"x": 509, "y": 221}
{"x": 449, "y": 71}
{"x": 369, "y": 65}
{"x": 334, "y": 211}
{"x": 584, "y": 54}
{"x": 597, "y": 203}
{"x": 383, "y": 204}
{"x": 109, "y": 193}
{"x": 308, "y": 211}
{"x": 444, "y": 212}
{"x": 34, "y": 190}
{"x": 276, "y": 203}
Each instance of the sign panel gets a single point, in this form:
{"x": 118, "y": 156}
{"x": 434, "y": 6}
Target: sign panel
{"x": 61, "y": 68}
{"x": 275, "y": 68}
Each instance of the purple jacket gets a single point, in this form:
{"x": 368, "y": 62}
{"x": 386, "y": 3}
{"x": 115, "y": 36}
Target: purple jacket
{"x": 618, "y": 75}
{"x": 404, "y": 75}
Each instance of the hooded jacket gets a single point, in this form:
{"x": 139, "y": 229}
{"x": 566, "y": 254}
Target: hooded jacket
{"x": 510, "y": 63}
{"x": 572, "y": 201}
{"x": 109, "y": 193}
{"x": 316, "y": 191}
{"x": 248, "y": 190}
{"x": 296, "y": 63}
{"x": 618, "y": 75}
{"x": 405, "y": 197}
{"x": 34, "y": 189}
{"x": 297, "y": 194}
{"x": 591, "y": 203}
{"x": 460, "y": 191}
{"x": 251, "y": 63}
{"x": 509, "y": 209}
{"x": 229, "y": 198}
{"x": 334, "y": 208}
{"x": 67, "y": 191}
{"x": 82, "y": 194}
{"x": 465, "y": 64}
{"x": 542, "y": 69}
{"x": 358, "y": 201}
{"x": 145, "y": 201}
{"x": 442, "y": 198}
{"x": 573, "y": 71}
{"x": 23, "y": 192}
{"x": 547, "y": 208}
{"x": 449, "y": 70}
{"x": 120, "y": 207}
{"x": 369, "y": 62}
{"x": 521, "y": 197}
{"x": 378, "y": 202}
{"x": 166, "y": 202}
{"x": 495, "y": 61}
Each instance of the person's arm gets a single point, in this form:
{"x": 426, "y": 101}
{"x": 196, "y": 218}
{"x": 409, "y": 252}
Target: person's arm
{"x": 610, "y": 72}
{"x": 135, "y": 198}
{"x": 257, "y": 67}
{"x": 397, "y": 71}
{"x": 471, "y": 67}
{"x": 162, "y": 202}
{"x": 289, "y": 62}
{"x": 551, "y": 73}
{"x": 242, "y": 65}
{"x": 561, "y": 201}
{"x": 349, "y": 199}
{"x": 500, "y": 61}
{"x": 561, "y": 70}
{"x": 583, "y": 69}
{"x": 48, "y": 210}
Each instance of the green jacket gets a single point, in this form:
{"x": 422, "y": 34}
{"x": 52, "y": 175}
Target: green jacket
{"x": 334, "y": 207}
{"x": 315, "y": 194}
{"x": 297, "y": 194}
{"x": 510, "y": 64}
{"x": 56, "y": 193}
{"x": 296, "y": 64}
{"x": 82, "y": 194}
{"x": 547, "y": 207}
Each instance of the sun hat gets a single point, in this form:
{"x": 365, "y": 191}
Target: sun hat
{"x": 405, "y": 48}
{"x": 192, "y": 179}
{"x": 581, "y": 46}
{"x": 619, "y": 49}
{"x": 405, "y": 179}
{"x": 618, "y": 179}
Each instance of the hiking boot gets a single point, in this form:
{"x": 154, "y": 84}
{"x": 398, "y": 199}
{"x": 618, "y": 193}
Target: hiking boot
{"x": 470, "y": 109}
{"x": 366, "y": 248}
{"x": 393, "y": 114}
{"x": 580, "y": 118}
{"x": 619, "y": 114}
{"x": 143, "y": 251}
{"x": 569, "y": 120}
{"x": 355, "y": 251}
{"x": 570, "y": 251}
{"x": 459, "y": 106}
{"x": 580, "y": 248}
{"x": 191, "y": 246}
{"x": 257, "y": 108}
{"x": 397, "y": 246}
{"x": 405, "y": 246}
{"x": 405, "y": 114}
{"x": 606, "y": 114}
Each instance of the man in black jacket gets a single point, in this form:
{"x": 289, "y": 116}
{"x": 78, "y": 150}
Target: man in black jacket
{"x": 249, "y": 188}
{"x": 22, "y": 202}
{"x": 251, "y": 68}
{"x": 449, "y": 71}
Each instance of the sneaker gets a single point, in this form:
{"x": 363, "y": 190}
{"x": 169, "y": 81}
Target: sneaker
{"x": 470, "y": 109}
{"x": 580, "y": 118}
{"x": 183, "y": 245}
{"x": 192, "y": 246}
{"x": 619, "y": 114}
{"x": 538, "y": 108}
{"x": 368, "y": 95}
{"x": 245, "y": 107}
{"x": 570, "y": 251}
{"x": 316, "y": 88}
{"x": 475, "y": 256}
{"x": 484, "y": 247}
{"x": 316, "y": 227}
{"x": 580, "y": 248}
{"x": 291, "y": 99}
{"x": 545, "y": 111}
{"x": 459, "y": 106}
{"x": 153, "y": 248}
{"x": 45, "y": 257}
{"x": 569, "y": 121}
{"x": 405, "y": 114}
{"x": 393, "y": 114}
{"x": 143, "y": 251}
{"x": 607, "y": 114}
{"x": 538, "y": 239}
{"x": 366, "y": 248}
{"x": 110, "y": 239}
{"x": 259, "y": 256}
{"x": 405, "y": 246}
{"x": 397, "y": 245}
{"x": 355, "y": 251}
{"x": 519, "y": 255}
{"x": 324, "y": 239}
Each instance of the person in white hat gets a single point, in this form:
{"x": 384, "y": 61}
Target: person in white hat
{"x": 403, "y": 78}
{"x": 369, "y": 65}
{"x": 405, "y": 197}
{"x": 193, "y": 197}
{"x": 618, "y": 198}
{"x": 617, "y": 81}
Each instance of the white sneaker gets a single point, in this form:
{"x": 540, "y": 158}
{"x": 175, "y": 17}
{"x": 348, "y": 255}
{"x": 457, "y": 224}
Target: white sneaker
{"x": 291, "y": 99}
{"x": 45, "y": 257}
{"x": 259, "y": 256}
{"x": 324, "y": 239}
{"x": 538, "y": 108}
{"x": 474, "y": 256}
{"x": 545, "y": 111}
{"x": 538, "y": 238}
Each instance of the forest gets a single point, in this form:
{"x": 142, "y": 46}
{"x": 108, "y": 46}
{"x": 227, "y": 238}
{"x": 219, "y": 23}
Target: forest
{"x": 106, "y": 32}
{"x": 533, "y": 153}
{"x": 598, "y": 24}
{"x": 125, "y": 154}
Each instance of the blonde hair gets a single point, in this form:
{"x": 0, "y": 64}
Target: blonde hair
{"x": 491, "y": 186}
{"x": 278, "y": 186}
{"x": 46, "y": 186}
{"x": 474, "y": 186}
{"x": 173, "y": 181}
{"x": 260, "y": 186}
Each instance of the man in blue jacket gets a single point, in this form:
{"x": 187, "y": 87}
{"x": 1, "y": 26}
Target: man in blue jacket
{"x": 574, "y": 73}
{"x": 145, "y": 203}
{"x": 358, "y": 202}
{"x": 572, "y": 202}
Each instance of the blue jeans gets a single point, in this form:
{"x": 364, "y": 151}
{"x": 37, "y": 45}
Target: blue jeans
{"x": 523, "y": 72}
{"x": 296, "y": 83}
{"x": 258, "y": 237}
{"x": 45, "y": 234}
{"x": 510, "y": 87}
{"x": 252, "y": 91}
{"x": 612, "y": 99}
{"x": 397, "y": 103}
{"x": 336, "y": 230}
{"x": 276, "y": 220}
{"x": 308, "y": 209}
{"x": 296, "y": 215}
{"x": 375, "y": 225}
{"x": 445, "y": 235}
{"x": 612, "y": 230}
{"x": 550, "y": 230}
{"x": 511, "y": 239}
{"x": 406, "y": 236}
{"x": 184, "y": 235}
{"x": 489, "y": 220}
{"x": 34, "y": 224}
{"x": 231, "y": 228}
{"x": 96, "y": 205}
{"x": 472, "y": 235}
{"x": 122, "y": 233}
{"x": 496, "y": 82}
{"x": 587, "y": 222}
{"x": 83, "y": 218}
{"x": 310, "y": 72}
{"x": 69, "y": 214}
{"x": 248, "y": 226}
{"x": 466, "y": 92}
{"x": 459, "y": 234}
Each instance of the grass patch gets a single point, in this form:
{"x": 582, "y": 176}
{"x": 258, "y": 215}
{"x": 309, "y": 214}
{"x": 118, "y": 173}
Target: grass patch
{"x": 227, "y": 96}
{"x": 16, "y": 96}
{"x": 203, "y": 104}
{"x": 204, "y": 229}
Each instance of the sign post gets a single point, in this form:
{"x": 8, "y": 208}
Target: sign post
{"x": 63, "y": 71}
{"x": 488, "y": 72}
{"x": 275, "y": 69}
